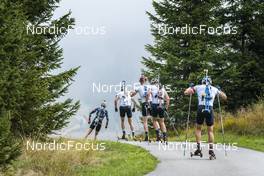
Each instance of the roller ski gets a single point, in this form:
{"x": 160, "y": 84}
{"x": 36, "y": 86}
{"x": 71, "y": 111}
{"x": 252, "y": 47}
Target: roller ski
{"x": 212, "y": 155}
{"x": 165, "y": 140}
{"x": 198, "y": 152}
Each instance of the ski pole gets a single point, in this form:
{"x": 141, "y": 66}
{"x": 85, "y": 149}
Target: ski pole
{"x": 222, "y": 124}
{"x": 187, "y": 124}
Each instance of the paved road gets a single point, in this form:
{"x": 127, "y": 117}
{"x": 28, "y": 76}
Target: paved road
{"x": 240, "y": 162}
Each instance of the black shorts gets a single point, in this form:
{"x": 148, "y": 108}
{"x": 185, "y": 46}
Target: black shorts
{"x": 205, "y": 115}
{"x": 96, "y": 124}
{"x": 157, "y": 111}
{"x": 125, "y": 110}
{"x": 145, "y": 109}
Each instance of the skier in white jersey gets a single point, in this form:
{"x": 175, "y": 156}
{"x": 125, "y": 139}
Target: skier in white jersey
{"x": 160, "y": 102}
{"x": 124, "y": 99}
{"x": 206, "y": 95}
{"x": 143, "y": 90}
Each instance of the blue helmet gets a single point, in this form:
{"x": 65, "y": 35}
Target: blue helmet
{"x": 206, "y": 80}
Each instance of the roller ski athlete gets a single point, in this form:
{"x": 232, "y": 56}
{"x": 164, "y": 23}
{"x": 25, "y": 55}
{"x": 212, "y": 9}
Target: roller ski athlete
{"x": 124, "y": 99}
{"x": 101, "y": 113}
{"x": 143, "y": 90}
{"x": 206, "y": 95}
{"x": 159, "y": 104}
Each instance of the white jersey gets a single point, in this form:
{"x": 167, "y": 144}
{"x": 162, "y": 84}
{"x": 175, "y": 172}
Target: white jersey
{"x": 200, "y": 90}
{"x": 158, "y": 95}
{"x": 143, "y": 90}
{"x": 125, "y": 98}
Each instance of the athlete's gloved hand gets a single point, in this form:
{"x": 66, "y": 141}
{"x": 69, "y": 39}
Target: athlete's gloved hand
{"x": 191, "y": 85}
{"x": 116, "y": 110}
{"x": 133, "y": 109}
{"x": 106, "y": 126}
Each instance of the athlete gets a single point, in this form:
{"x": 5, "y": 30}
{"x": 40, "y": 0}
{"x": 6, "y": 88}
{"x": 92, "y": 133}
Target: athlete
{"x": 143, "y": 90}
{"x": 160, "y": 102}
{"x": 206, "y": 95}
{"x": 124, "y": 99}
{"x": 101, "y": 113}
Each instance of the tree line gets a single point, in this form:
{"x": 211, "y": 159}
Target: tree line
{"x": 234, "y": 58}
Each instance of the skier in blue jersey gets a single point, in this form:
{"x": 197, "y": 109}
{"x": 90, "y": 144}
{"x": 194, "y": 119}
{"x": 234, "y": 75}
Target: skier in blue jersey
{"x": 101, "y": 113}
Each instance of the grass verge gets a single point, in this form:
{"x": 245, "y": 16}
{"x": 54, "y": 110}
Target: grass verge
{"x": 116, "y": 159}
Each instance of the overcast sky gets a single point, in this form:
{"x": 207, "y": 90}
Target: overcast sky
{"x": 108, "y": 58}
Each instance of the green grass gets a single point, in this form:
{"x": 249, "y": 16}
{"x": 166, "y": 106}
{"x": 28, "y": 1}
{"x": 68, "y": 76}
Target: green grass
{"x": 117, "y": 159}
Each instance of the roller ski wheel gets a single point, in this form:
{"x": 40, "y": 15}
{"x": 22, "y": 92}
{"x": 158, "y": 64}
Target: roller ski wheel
{"x": 197, "y": 153}
{"x": 212, "y": 155}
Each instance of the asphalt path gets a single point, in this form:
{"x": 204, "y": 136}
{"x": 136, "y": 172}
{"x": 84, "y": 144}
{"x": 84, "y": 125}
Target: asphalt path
{"x": 238, "y": 162}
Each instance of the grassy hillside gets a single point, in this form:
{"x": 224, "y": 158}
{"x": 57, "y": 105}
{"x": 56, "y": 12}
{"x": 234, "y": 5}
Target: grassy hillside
{"x": 248, "y": 121}
{"x": 116, "y": 159}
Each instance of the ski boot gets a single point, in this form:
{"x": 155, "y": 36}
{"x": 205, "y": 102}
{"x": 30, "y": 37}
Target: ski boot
{"x": 212, "y": 155}
{"x": 159, "y": 137}
{"x": 124, "y": 137}
{"x": 132, "y": 136}
{"x": 197, "y": 152}
{"x": 146, "y": 138}
{"x": 165, "y": 139}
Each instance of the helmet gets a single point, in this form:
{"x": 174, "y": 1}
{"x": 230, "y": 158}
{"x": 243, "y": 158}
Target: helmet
{"x": 103, "y": 104}
{"x": 207, "y": 79}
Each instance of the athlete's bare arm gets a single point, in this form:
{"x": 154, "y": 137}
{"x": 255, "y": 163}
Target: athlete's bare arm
{"x": 116, "y": 100}
{"x": 222, "y": 95}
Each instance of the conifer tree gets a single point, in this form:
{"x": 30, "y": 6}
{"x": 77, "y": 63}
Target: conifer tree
{"x": 180, "y": 58}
